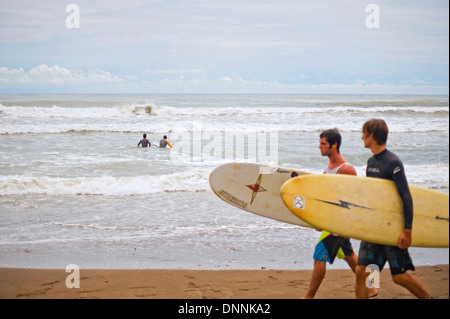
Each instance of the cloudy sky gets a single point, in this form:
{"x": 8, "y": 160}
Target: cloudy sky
{"x": 224, "y": 46}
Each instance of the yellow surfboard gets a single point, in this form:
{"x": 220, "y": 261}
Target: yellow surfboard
{"x": 368, "y": 209}
{"x": 255, "y": 188}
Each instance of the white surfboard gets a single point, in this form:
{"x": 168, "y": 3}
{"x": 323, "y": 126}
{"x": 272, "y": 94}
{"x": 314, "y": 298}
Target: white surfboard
{"x": 255, "y": 188}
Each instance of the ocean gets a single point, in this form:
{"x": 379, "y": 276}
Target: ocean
{"x": 76, "y": 189}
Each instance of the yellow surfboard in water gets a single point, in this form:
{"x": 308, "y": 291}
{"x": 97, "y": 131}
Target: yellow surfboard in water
{"x": 368, "y": 209}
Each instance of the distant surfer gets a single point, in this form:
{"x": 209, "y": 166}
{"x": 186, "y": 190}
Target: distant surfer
{"x": 165, "y": 142}
{"x": 330, "y": 245}
{"x": 386, "y": 165}
{"x": 144, "y": 142}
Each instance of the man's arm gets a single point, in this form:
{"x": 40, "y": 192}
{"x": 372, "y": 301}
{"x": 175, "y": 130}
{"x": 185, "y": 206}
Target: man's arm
{"x": 348, "y": 170}
{"x": 401, "y": 183}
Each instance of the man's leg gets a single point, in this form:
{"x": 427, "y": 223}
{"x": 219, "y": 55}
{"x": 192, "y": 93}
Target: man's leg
{"x": 352, "y": 261}
{"x": 361, "y": 290}
{"x": 412, "y": 284}
{"x": 320, "y": 268}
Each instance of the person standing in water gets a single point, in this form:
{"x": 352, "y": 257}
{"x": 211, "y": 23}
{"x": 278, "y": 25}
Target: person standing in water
{"x": 164, "y": 142}
{"x": 144, "y": 142}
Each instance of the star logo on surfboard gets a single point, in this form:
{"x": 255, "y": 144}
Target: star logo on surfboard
{"x": 256, "y": 188}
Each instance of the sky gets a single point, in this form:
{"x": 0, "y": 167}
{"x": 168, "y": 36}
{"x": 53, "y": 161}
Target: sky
{"x": 224, "y": 46}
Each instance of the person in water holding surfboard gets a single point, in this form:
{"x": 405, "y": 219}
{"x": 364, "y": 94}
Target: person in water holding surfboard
{"x": 144, "y": 142}
{"x": 386, "y": 165}
{"x": 164, "y": 142}
{"x": 330, "y": 245}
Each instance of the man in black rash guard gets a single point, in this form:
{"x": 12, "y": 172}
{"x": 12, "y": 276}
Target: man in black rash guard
{"x": 385, "y": 164}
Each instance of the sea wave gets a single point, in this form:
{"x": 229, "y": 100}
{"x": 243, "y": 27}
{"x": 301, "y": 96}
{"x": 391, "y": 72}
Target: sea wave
{"x": 42, "y": 112}
{"x": 188, "y": 181}
{"x": 168, "y": 119}
{"x": 381, "y": 103}
{"x": 145, "y": 110}
{"x": 193, "y": 180}
{"x": 99, "y": 227}
{"x": 177, "y": 130}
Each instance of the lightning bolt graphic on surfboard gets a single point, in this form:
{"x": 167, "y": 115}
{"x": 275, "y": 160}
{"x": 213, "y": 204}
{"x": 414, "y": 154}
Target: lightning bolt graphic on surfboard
{"x": 343, "y": 204}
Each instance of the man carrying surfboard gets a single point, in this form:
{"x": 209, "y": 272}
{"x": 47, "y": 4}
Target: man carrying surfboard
{"x": 386, "y": 165}
{"x": 330, "y": 245}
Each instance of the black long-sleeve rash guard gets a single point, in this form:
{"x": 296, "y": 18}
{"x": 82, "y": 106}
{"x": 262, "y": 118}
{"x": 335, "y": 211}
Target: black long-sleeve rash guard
{"x": 387, "y": 165}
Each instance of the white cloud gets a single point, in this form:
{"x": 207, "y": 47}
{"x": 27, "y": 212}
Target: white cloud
{"x": 228, "y": 84}
{"x": 174, "y": 71}
{"x": 60, "y": 79}
{"x": 55, "y": 75}
{"x": 142, "y": 45}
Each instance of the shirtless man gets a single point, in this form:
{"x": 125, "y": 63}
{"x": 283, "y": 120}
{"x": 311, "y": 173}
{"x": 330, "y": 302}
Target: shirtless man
{"x": 144, "y": 142}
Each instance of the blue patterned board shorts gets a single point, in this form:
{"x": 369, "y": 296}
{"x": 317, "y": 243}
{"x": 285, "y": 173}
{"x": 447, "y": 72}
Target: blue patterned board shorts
{"x": 327, "y": 249}
{"x": 374, "y": 254}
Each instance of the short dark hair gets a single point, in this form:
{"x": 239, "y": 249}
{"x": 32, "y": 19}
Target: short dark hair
{"x": 378, "y": 128}
{"x": 333, "y": 136}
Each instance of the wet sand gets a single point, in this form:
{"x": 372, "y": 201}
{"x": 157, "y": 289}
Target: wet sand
{"x": 203, "y": 284}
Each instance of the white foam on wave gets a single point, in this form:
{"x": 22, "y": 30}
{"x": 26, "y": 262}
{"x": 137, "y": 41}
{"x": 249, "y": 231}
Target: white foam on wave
{"x": 75, "y": 112}
{"x": 139, "y": 117}
{"x": 428, "y": 176}
{"x": 281, "y": 110}
{"x": 138, "y": 110}
{"x": 194, "y": 180}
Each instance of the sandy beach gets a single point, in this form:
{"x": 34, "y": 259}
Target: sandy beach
{"x": 18, "y": 283}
